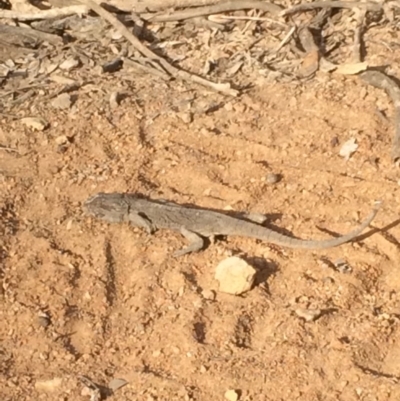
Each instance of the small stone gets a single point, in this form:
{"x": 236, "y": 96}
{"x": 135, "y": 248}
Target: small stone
{"x": 69, "y": 225}
{"x": 235, "y": 276}
{"x": 112, "y": 66}
{"x": 231, "y": 395}
{"x": 36, "y": 123}
{"x": 175, "y": 350}
{"x": 342, "y": 266}
{"x": 62, "y": 148}
{"x": 309, "y": 315}
{"x": 185, "y": 116}
{"x": 86, "y": 392}
{"x": 115, "y": 384}
{"x": 61, "y": 140}
{"x": 258, "y": 218}
{"x": 228, "y": 106}
{"x": 115, "y": 34}
{"x": 334, "y": 141}
{"x": 44, "y": 319}
{"x": 62, "y": 101}
{"x": 272, "y": 178}
{"x": 348, "y": 148}
{"x": 115, "y": 99}
{"x": 208, "y": 294}
{"x": 70, "y": 64}
{"x": 4, "y": 71}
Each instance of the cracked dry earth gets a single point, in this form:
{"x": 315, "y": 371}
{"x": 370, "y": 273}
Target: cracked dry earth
{"x": 81, "y": 297}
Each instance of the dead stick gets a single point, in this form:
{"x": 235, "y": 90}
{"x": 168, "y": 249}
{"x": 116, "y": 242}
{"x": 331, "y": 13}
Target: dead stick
{"x": 370, "y": 6}
{"x": 46, "y": 14}
{"x": 141, "y": 65}
{"x": 231, "y": 5}
{"x": 141, "y": 6}
{"x": 358, "y": 37}
{"x": 382, "y": 81}
{"x": 175, "y": 72}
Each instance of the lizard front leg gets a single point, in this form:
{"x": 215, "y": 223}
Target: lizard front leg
{"x": 196, "y": 242}
{"x": 140, "y": 220}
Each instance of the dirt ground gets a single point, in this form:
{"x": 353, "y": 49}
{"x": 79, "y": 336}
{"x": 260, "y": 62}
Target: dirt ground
{"x": 82, "y": 297}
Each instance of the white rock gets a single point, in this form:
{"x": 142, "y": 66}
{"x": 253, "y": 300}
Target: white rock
{"x": 235, "y": 276}
{"x": 231, "y": 395}
{"x": 348, "y": 148}
{"x": 309, "y": 315}
{"x": 61, "y": 140}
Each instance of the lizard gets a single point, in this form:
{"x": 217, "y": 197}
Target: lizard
{"x": 196, "y": 224}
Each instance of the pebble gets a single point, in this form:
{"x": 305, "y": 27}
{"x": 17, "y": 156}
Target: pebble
{"x": 235, "y": 276}
{"x": 208, "y": 294}
{"x": 272, "y": 178}
{"x": 334, "y": 141}
{"x": 44, "y": 319}
{"x": 348, "y": 148}
{"x": 61, "y": 140}
{"x": 115, "y": 384}
{"x": 36, "y": 123}
{"x": 185, "y": 116}
{"x": 309, "y": 315}
{"x": 231, "y": 395}
{"x": 112, "y": 66}
{"x": 115, "y": 99}
{"x": 342, "y": 266}
{"x": 62, "y": 101}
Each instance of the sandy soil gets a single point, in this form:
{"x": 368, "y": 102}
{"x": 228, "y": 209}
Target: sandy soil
{"x": 81, "y": 297}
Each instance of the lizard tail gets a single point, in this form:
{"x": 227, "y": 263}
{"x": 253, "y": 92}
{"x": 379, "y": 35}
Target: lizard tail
{"x": 288, "y": 242}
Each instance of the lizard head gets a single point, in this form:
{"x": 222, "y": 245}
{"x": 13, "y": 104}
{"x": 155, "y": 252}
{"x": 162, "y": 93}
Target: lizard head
{"x": 109, "y": 207}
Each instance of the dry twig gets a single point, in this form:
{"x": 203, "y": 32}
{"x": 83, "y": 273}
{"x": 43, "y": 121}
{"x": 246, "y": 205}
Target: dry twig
{"x": 356, "y": 57}
{"x": 248, "y": 18}
{"x": 45, "y": 14}
{"x": 368, "y": 5}
{"x": 156, "y": 5}
{"x": 230, "y": 5}
{"x": 174, "y": 72}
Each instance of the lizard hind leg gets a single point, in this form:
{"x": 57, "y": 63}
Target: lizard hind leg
{"x": 196, "y": 242}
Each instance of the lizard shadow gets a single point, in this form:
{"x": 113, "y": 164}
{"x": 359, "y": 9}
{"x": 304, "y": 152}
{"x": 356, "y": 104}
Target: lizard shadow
{"x": 384, "y": 232}
{"x": 264, "y": 269}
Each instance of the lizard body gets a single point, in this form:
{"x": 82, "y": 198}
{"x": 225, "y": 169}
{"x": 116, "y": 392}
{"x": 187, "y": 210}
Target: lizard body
{"x": 196, "y": 223}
